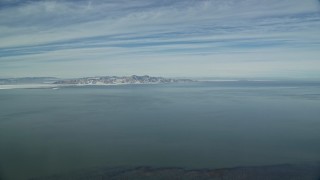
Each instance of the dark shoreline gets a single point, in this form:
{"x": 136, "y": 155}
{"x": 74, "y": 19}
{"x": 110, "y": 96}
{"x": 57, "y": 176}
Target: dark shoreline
{"x": 310, "y": 171}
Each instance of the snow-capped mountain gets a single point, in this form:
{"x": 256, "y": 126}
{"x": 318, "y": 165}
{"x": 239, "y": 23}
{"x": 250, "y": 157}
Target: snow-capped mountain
{"x": 134, "y": 79}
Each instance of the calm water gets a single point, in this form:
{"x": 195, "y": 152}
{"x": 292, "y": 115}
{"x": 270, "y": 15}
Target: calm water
{"x": 196, "y": 125}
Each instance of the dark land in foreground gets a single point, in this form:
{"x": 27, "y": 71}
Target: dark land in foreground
{"x": 276, "y": 172}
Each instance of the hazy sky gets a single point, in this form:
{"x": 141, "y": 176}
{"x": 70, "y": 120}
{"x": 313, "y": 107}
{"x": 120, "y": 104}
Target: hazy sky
{"x": 213, "y": 38}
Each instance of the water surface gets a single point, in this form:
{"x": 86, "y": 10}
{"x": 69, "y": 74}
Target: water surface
{"x": 194, "y": 125}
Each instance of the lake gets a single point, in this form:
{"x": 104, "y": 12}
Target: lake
{"x": 193, "y": 125}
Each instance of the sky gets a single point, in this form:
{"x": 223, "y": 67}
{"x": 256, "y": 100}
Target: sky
{"x": 171, "y": 38}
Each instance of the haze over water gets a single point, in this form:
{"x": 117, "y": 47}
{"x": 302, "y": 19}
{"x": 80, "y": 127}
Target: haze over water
{"x": 192, "y": 125}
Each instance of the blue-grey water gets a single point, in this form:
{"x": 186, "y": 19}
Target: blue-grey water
{"x": 194, "y": 125}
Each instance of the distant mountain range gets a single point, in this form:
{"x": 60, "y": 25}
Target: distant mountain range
{"x": 102, "y": 80}
{"x": 109, "y": 80}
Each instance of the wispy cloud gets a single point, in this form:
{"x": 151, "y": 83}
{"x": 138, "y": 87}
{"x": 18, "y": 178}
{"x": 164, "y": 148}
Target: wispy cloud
{"x": 112, "y": 35}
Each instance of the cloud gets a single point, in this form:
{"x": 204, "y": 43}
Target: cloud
{"x": 100, "y": 31}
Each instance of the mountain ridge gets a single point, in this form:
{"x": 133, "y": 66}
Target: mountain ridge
{"x": 107, "y": 80}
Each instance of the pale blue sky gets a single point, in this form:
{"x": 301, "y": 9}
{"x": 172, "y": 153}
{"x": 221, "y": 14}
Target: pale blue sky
{"x": 211, "y": 38}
